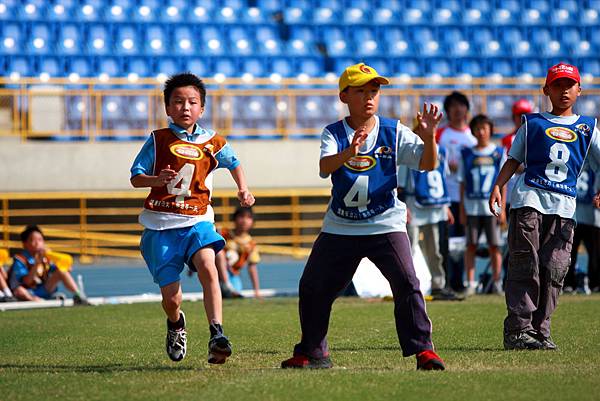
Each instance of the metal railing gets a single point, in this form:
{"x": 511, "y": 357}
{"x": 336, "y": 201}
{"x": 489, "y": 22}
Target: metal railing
{"x": 105, "y": 224}
{"x": 90, "y": 110}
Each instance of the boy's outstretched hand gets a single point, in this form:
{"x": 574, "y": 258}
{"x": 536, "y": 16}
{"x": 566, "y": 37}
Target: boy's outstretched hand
{"x": 246, "y": 198}
{"x": 495, "y": 201}
{"x": 596, "y": 200}
{"x": 428, "y": 120}
{"x": 360, "y": 136}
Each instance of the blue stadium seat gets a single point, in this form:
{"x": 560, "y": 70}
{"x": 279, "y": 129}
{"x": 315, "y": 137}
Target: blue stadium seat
{"x": 127, "y": 40}
{"x": 531, "y": 66}
{"x": 156, "y": 40}
{"x": 439, "y": 66}
{"x": 501, "y": 66}
{"x": 283, "y": 66}
{"x": 471, "y": 66}
{"x": 270, "y": 5}
{"x": 253, "y": 66}
{"x": 30, "y": 11}
{"x": 173, "y": 11}
{"x": 118, "y": 11}
{"x": 396, "y": 42}
{"x": 534, "y": 16}
{"x": 112, "y": 66}
{"x": 475, "y": 16}
{"x": 455, "y": 43}
{"x": 499, "y": 107}
{"x": 336, "y": 42}
{"x": 12, "y": 38}
{"x": 356, "y": 15}
{"x": 146, "y": 11}
{"x": 393, "y": 5}
{"x": 53, "y": 66}
{"x": 99, "y": 39}
{"x": 211, "y": 40}
{"x": 589, "y": 17}
{"x": 414, "y": 16}
{"x": 445, "y": 16}
{"x": 409, "y": 66}
{"x": 61, "y": 10}
{"x": 482, "y": 5}
{"x": 70, "y": 39}
{"x": 197, "y": 65}
{"x": 590, "y": 65}
{"x": 268, "y": 41}
{"x": 226, "y": 66}
{"x": 383, "y": 16}
{"x": 423, "y": 5}
{"x": 21, "y": 65}
{"x": 183, "y": 40}
{"x": 588, "y": 105}
{"x": 87, "y": 11}
{"x": 302, "y": 40}
{"x": 366, "y": 40}
{"x": 140, "y": 66}
{"x": 41, "y": 39}
{"x": 562, "y": 17}
{"x": 324, "y": 15}
{"x": 226, "y": 15}
{"x": 296, "y": 15}
{"x": 82, "y": 66}
{"x": 254, "y": 15}
{"x": 241, "y": 40}
{"x": 312, "y": 66}
{"x": 382, "y": 65}
{"x": 542, "y": 5}
{"x": 8, "y": 11}
{"x": 168, "y": 65}
{"x": 514, "y": 6}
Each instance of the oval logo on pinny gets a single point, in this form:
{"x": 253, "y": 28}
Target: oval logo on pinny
{"x": 361, "y": 163}
{"x": 561, "y": 134}
{"x": 187, "y": 151}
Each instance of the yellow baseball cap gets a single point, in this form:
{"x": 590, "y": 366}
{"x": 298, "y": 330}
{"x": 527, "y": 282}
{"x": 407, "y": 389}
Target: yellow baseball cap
{"x": 360, "y": 74}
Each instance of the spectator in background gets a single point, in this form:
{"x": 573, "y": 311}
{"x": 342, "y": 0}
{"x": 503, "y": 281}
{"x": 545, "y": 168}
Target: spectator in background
{"x": 6, "y": 294}
{"x": 427, "y": 200}
{"x": 587, "y": 231}
{"x": 35, "y": 276}
{"x": 240, "y": 251}
{"x": 519, "y": 108}
{"x": 455, "y": 136}
{"x": 477, "y": 172}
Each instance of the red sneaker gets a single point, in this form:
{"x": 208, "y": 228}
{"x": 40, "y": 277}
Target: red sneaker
{"x": 306, "y": 362}
{"x": 429, "y": 360}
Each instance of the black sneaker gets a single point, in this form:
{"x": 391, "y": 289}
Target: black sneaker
{"x": 80, "y": 301}
{"x": 176, "y": 342}
{"x": 546, "y": 342}
{"x": 444, "y": 294}
{"x": 219, "y": 347}
{"x": 521, "y": 340}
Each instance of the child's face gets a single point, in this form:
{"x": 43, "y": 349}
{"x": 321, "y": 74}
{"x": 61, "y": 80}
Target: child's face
{"x": 563, "y": 93}
{"x": 243, "y": 222}
{"x": 362, "y": 101}
{"x": 457, "y": 112}
{"x": 482, "y": 133}
{"x": 35, "y": 243}
{"x": 185, "y": 106}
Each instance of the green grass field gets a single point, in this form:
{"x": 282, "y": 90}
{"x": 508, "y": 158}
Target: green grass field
{"x": 117, "y": 352}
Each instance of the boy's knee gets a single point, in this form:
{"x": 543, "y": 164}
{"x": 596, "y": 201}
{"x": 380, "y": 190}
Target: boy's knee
{"x": 172, "y": 301}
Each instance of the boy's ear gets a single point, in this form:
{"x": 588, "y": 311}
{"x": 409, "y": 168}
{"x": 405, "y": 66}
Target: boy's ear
{"x": 545, "y": 90}
{"x": 578, "y": 89}
{"x": 344, "y": 97}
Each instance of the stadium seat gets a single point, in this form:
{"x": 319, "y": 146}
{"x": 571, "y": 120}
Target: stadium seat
{"x": 70, "y": 39}
{"x": 183, "y": 40}
{"x": 212, "y": 40}
{"x": 268, "y": 41}
{"x": 41, "y": 39}
{"x": 470, "y": 66}
{"x": 30, "y": 11}
{"x": 173, "y": 11}
{"x": 588, "y": 105}
{"x": 60, "y": 10}
{"x": 560, "y": 17}
{"x": 111, "y": 66}
{"x": 383, "y": 16}
{"x": 396, "y": 42}
{"x": 302, "y": 40}
{"x": 156, "y": 40}
{"x": 99, "y": 39}
{"x": 197, "y": 65}
{"x": 118, "y": 11}
{"x": 409, "y": 66}
{"x": 8, "y": 11}
{"x": 589, "y": 17}
{"x": 438, "y": 66}
{"x": 311, "y": 66}
{"x": 590, "y": 65}
{"x": 514, "y": 6}
{"x": 82, "y": 66}
{"x": 241, "y": 40}
{"x": 21, "y": 65}
{"x": 226, "y": 66}
{"x": 270, "y": 5}
{"x": 296, "y": 15}
{"x": 499, "y": 106}
{"x": 324, "y": 15}
{"x": 87, "y": 11}
{"x": 168, "y": 65}
{"x": 475, "y": 16}
{"x": 128, "y": 40}
{"x": 366, "y": 42}
{"x": 414, "y": 16}
{"x": 531, "y": 66}
{"x": 355, "y": 15}
{"x": 336, "y": 41}
{"x": 140, "y": 66}
{"x": 254, "y": 66}
{"x": 146, "y": 11}
{"x": 227, "y": 15}
{"x": 53, "y": 66}
{"x": 12, "y": 38}
{"x": 534, "y": 16}
{"x": 282, "y": 66}
{"x": 501, "y": 66}
{"x": 445, "y": 16}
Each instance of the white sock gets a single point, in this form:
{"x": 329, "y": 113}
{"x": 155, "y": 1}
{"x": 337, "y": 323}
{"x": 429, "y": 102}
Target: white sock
{"x": 473, "y": 284}
{"x": 7, "y": 292}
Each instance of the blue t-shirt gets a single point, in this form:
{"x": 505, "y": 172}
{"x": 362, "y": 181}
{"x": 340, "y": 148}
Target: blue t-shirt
{"x": 19, "y": 269}
{"x": 429, "y": 187}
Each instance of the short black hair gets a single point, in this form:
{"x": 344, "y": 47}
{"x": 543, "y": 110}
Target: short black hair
{"x": 181, "y": 80}
{"x": 30, "y": 230}
{"x": 481, "y": 119}
{"x": 242, "y": 211}
{"x": 457, "y": 97}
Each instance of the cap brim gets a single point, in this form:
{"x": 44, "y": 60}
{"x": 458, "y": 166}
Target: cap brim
{"x": 366, "y": 80}
{"x": 548, "y": 82}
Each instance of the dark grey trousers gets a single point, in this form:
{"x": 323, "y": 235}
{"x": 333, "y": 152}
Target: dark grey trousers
{"x": 539, "y": 253}
{"x": 331, "y": 266}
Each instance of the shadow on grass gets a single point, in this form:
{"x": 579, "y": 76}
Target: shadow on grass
{"x": 110, "y": 368}
{"x": 461, "y": 348}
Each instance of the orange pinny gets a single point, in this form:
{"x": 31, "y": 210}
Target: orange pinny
{"x": 188, "y": 193}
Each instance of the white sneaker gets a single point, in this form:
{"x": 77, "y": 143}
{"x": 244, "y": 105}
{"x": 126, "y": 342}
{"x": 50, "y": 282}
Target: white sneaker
{"x": 176, "y": 342}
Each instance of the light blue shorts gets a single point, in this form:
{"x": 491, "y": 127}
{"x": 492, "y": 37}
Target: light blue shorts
{"x": 166, "y": 251}
{"x": 236, "y": 281}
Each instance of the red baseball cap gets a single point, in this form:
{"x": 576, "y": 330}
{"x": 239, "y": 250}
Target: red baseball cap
{"x": 562, "y": 70}
{"x": 522, "y": 106}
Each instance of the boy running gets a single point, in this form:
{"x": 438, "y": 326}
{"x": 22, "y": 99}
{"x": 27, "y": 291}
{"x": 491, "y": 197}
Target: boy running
{"x": 177, "y": 164}
{"x": 365, "y": 219}
{"x": 553, "y": 147}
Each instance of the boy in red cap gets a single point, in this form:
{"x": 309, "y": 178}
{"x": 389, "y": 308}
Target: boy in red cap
{"x": 362, "y": 153}
{"x": 553, "y": 146}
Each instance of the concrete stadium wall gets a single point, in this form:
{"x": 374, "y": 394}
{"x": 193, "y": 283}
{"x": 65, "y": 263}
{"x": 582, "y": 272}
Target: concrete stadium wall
{"x": 51, "y": 166}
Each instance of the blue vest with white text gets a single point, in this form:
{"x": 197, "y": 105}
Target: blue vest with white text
{"x": 430, "y": 187}
{"x": 363, "y": 187}
{"x": 480, "y": 172}
{"x": 585, "y": 185}
{"x": 555, "y": 153}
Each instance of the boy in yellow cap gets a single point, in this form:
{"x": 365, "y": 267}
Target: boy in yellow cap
{"x": 362, "y": 153}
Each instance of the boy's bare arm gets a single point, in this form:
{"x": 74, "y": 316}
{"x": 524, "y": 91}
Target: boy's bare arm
{"x": 329, "y": 164}
{"x": 596, "y": 200}
{"x": 163, "y": 178}
{"x": 244, "y": 195}
{"x": 498, "y": 191}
